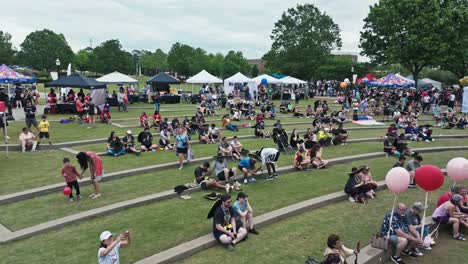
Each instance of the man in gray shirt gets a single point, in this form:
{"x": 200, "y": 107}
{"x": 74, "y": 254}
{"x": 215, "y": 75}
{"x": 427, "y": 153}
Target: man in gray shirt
{"x": 223, "y": 173}
{"x": 412, "y": 166}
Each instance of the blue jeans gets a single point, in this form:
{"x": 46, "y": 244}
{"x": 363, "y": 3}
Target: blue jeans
{"x": 157, "y": 106}
{"x": 113, "y": 153}
{"x": 231, "y": 127}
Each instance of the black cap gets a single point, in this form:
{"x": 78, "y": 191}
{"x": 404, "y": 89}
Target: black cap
{"x": 241, "y": 195}
{"x": 66, "y": 160}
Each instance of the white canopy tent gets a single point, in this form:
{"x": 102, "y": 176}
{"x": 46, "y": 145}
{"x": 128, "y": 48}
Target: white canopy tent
{"x": 239, "y": 78}
{"x": 117, "y": 78}
{"x": 434, "y": 83}
{"x": 270, "y": 80}
{"x": 291, "y": 80}
{"x": 204, "y": 77}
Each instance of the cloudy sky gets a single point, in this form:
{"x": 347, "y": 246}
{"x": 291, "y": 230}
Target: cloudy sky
{"x": 214, "y": 25}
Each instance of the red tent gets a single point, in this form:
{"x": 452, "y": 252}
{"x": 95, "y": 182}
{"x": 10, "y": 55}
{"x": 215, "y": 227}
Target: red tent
{"x": 368, "y": 77}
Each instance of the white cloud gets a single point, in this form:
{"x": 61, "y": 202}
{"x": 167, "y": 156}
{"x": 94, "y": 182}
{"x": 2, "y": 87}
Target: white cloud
{"x": 214, "y": 25}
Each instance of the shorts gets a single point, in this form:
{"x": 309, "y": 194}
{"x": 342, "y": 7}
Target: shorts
{"x": 182, "y": 151}
{"x": 217, "y": 234}
{"x": 393, "y": 240}
{"x": 161, "y": 143}
{"x": 443, "y": 220}
{"x": 43, "y": 134}
{"x": 96, "y": 178}
{"x": 31, "y": 122}
{"x": 203, "y": 185}
{"x": 2, "y": 124}
{"x": 241, "y": 168}
{"x": 221, "y": 176}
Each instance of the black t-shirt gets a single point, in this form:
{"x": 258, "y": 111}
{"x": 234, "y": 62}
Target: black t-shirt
{"x": 222, "y": 217}
{"x": 129, "y": 139}
{"x": 29, "y": 111}
{"x": 116, "y": 144}
{"x": 198, "y": 173}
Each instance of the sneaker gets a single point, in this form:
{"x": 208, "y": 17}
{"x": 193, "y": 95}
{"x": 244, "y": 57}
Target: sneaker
{"x": 428, "y": 248}
{"x": 96, "y": 196}
{"x": 275, "y": 175}
{"x": 181, "y": 167}
{"x": 71, "y": 200}
{"x": 237, "y": 184}
{"x": 227, "y": 187}
{"x": 7, "y": 137}
{"x": 409, "y": 253}
{"x": 33, "y": 150}
{"x": 78, "y": 197}
{"x": 153, "y": 150}
{"x": 397, "y": 260}
{"x": 252, "y": 179}
{"x": 417, "y": 252}
{"x": 269, "y": 178}
{"x": 230, "y": 247}
{"x": 245, "y": 181}
{"x": 351, "y": 199}
{"x": 254, "y": 231}
{"x": 91, "y": 195}
{"x": 412, "y": 185}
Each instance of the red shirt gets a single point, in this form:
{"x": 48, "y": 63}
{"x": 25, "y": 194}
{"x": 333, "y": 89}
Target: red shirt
{"x": 157, "y": 117}
{"x": 69, "y": 172}
{"x": 444, "y": 198}
{"x": 79, "y": 106}
{"x": 143, "y": 119}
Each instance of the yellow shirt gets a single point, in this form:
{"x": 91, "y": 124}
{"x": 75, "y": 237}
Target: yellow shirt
{"x": 44, "y": 126}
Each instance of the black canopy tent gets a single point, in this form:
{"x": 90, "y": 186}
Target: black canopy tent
{"x": 160, "y": 82}
{"x": 76, "y": 81}
{"x": 97, "y": 89}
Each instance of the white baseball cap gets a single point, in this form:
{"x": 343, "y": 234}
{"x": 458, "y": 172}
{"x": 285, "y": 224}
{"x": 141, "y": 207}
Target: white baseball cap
{"x": 129, "y": 132}
{"x": 105, "y": 235}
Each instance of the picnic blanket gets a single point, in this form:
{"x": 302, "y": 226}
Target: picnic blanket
{"x": 367, "y": 121}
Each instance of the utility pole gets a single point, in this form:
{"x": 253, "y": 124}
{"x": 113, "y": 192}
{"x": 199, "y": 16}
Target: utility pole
{"x": 91, "y": 43}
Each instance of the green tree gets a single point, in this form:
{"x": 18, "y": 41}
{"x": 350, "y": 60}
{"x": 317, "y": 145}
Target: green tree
{"x": 405, "y": 32}
{"x": 82, "y": 60}
{"x": 456, "y": 36}
{"x": 180, "y": 58}
{"x": 254, "y": 72}
{"x": 235, "y": 62}
{"x": 215, "y": 64}
{"x": 41, "y": 48}
{"x": 153, "y": 62}
{"x": 7, "y": 52}
{"x": 109, "y": 56}
{"x": 302, "y": 39}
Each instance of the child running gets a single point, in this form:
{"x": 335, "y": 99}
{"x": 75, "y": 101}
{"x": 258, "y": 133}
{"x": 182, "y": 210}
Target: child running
{"x": 70, "y": 173}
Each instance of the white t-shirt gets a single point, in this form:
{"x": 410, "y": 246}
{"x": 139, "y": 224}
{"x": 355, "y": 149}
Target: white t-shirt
{"x": 268, "y": 155}
{"x": 452, "y": 97}
{"x": 213, "y": 131}
{"x": 112, "y": 257}
{"x": 235, "y": 144}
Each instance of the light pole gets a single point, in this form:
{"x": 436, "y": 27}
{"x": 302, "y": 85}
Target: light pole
{"x": 57, "y": 62}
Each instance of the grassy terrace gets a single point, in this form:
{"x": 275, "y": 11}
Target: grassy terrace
{"x": 160, "y": 226}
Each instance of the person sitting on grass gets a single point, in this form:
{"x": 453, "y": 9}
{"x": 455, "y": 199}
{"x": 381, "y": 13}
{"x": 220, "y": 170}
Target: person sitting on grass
{"x": 109, "y": 249}
{"x": 144, "y": 122}
{"x": 448, "y": 213}
{"x": 309, "y": 111}
{"x": 260, "y": 130}
{"x": 44, "y": 130}
{"x": 339, "y": 135}
{"x": 146, "y": 140}
{"x": 314, "y": 155}
{"x": 400, "y": 162}
{"x": 247, "y": 167}
{"x": 402, "y": 235}
{"x": 157, "y": 118}
{"x": 243, "y": 213}
{"x": 300, "y": 162}
{"x": 226, "y": 150}
{"x": 26, "y": 139}
{"x": 105, "y": 114}
{"x": 335, "y": 246}
{"x": 366, "y": 178}
{"x": 227, "y": 123}
{"x": 412, "y": 166}
{"x": 297, "y": 112}
{"x": 203, "y": 136}
{"x": 129, "y": 143}
{"x": 324, "y": 138}
{"x": 114, "y": 145}
{"x": 295, "y": 140}
{"x": 70, "y": 174}
{"x": 92, "y": 161}
{"x": 214, "y": 133}
{"x": 389, "y": 146}
{"x": 223, "y": 173}
{"x": 225, "y": 229}
{"x": 237, "y": 147}
{"x": 355, "y": 188}
{"x": 202, "y": 178}
{"x": 462, "y": 122}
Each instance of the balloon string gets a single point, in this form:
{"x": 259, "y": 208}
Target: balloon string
{"x": 424, "y": 217}
{"x": 391, "y": 217}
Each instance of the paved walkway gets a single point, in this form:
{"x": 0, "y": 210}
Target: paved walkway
{"x": 18, "y": 113}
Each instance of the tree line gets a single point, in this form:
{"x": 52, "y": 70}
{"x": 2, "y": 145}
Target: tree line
{"x": 41, "y": 48}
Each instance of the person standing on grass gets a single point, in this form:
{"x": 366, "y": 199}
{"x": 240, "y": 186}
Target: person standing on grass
{"x": 183, "y": 145}
{"x": 109, "y": 250}
{"x": 269, "y": 157}
{"x": 243, "y": 213}
{"x": 92, "y": 161}
{"x": 70, "y": 173}
{"x": 91, "y": 111}
{"x": 79, "y": 108}
{"x": 225, "y": 229}
{"x": 30, "y": 112}
{"x": 44, "y": 130}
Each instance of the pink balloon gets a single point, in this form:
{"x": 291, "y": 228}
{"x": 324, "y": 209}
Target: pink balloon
{"x": 397, "y": 180}
{"x": 457, "y": 169}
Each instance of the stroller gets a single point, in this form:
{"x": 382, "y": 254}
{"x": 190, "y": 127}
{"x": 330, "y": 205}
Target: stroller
{"x": 280, "y": 137}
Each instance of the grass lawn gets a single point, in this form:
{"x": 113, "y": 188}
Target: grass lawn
{"x": 168, "y": 223}
{"x": 49, "y": 174}
{"x": 294, "y": 239}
